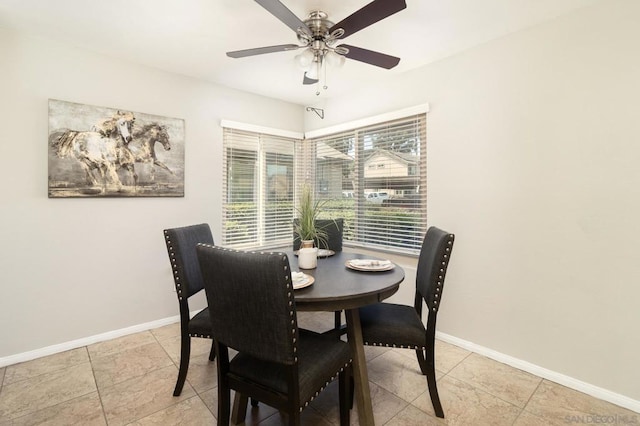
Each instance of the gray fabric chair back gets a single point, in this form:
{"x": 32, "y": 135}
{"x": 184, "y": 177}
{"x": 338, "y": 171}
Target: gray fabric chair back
{"x": 181, "y": 246}
{"x": 334, "y": 229}
{"x": 432, "y": 266}
{"x": 250, "y": 295}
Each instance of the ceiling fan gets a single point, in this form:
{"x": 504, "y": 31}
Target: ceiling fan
{"x": 317, "y": 35}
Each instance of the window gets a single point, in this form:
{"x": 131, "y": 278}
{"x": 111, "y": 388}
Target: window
{"x": 258, "y": 183}
{"x": 382, "y": 168}
{"x": 373, "y": 176}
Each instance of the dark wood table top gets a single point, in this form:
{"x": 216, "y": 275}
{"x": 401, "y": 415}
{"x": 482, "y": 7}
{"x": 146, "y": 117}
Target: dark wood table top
{"x": 338, "y": 287}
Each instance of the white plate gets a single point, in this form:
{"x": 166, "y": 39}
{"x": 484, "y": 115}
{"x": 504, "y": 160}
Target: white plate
{"x": 321, "y": 253}
{"x": 370, "y": 265}
{"x": 306, "y": 281}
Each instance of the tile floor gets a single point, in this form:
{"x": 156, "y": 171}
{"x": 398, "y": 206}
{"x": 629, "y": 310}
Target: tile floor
{"x": 130, "y": 380}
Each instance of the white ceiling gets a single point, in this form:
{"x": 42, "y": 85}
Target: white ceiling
{"x": 190, "y": 37}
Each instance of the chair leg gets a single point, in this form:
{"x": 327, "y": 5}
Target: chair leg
{"x": 338, "y": 320}
{"x": 294, "y": 419}
{"x": 224, "y": 398}
{"x": 239, "y": 408}
{"x": 427, "y": 366}
{"x": 212, "y": 354}
{"x": 185, "y": 353}
{"x": 345, "y": 382}
{"x": 254, "y": 402}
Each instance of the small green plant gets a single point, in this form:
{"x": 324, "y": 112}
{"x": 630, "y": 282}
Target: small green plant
{"x": 308, "y": 209}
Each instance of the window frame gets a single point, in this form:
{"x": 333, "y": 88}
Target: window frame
{"x": 305, "y": 167}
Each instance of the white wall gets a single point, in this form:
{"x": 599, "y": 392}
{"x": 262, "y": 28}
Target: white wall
{"x": 533, "y": 162}
{"x": 73, "y": 268}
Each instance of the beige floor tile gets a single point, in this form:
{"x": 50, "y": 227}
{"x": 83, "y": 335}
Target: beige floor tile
{"x": 202, "y": 374}
{"x": 528, "y": 419}
{"x": 48, "y": 364}
{"x": 46, "y": 390}
{"x": 190, "y": 412}
{"x": 142, "y": 396}
{"x": 167, "y": 331}
{"x": 411, "y": 354}
{"x": 111, "y": 347}
{"x": 199, "y": 346}
{"x": 309, "y": 417}
{"x": 385, "y": 406}
{"x": 85, "y": 410}
{"x": 561, "y": 405}
{"x": 412, "y": 416}
{"x": 136, "y": 375}
{"x": 372, "y": 352}
{"x": 448, "y": 355}
{"x": 464, "y": 404}
{"x": 398, "y": 374}
{"x": 124, "y": 365}
{"x": 505, "y": 382}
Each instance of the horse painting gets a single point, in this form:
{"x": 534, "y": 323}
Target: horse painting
{"x": 142, "y": 147}
{"x": 108, "y": 152}
{"x": 99, "y": 153}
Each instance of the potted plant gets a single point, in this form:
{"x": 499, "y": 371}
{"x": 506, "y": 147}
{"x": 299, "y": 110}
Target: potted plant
{"x": 305, "y": 226}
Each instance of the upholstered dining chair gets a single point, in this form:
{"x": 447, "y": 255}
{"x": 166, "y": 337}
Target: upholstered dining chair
{"x": 181, "y": 247}
{"x": 253, "y": 312}
{"x": 334, "y": 229}
{"x": 401, "y": 326}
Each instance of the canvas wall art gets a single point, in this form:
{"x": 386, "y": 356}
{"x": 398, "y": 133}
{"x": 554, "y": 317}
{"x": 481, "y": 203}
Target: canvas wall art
{"x": 107, "y": 152}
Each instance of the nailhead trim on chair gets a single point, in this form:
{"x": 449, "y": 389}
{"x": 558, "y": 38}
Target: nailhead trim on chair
{"x": 174, "y": 266}
{"x": 396, "y": 346}
{"x": 323, "y": 387}
{"x": 443, "y": 263}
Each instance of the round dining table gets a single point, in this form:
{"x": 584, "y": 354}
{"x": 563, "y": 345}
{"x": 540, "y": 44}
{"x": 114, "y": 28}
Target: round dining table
{"x": 338, "y": 287}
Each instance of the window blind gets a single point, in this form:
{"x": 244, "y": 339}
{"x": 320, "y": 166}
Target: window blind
{"x": 258, "y": 183}
{"x": 375, "y": 178}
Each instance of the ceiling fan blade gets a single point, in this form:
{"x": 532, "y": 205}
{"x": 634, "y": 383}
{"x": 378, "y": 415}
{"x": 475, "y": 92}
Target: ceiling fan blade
{"x": 281, "y": 12}
{"x": 375, "y": 11}
{"x": 307, "y": 80}
{"x": 261, "y": 50}
{"x": 370, "y": 57}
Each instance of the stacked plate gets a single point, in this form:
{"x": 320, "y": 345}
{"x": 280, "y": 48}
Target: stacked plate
{"x": 301, "y": 280}
{"x": 370, "y": 265}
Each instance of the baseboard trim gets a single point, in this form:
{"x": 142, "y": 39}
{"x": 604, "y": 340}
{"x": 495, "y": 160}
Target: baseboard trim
{"x": 570, "y": 382}
{"x": 73, "y": 344}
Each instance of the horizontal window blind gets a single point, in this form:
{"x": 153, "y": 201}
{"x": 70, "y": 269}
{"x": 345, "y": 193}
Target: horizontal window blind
{"x": 258, "y": 183}
{"x": 375, "y": 178}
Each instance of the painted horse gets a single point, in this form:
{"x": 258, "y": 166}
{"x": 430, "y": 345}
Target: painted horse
{"x": 142, "y": 146}
{"x": 122, "y": 123}
{"x": 99, "y": 152}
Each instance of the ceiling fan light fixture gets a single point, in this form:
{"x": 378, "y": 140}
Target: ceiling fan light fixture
{"x": 317, "y": 36}
{"x": 305, "y": 58}
{"x": 313, "y": 71}
{"x": 334, "y": 59}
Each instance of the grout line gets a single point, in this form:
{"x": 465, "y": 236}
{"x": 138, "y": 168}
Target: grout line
{"x": 104, "y": 413}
